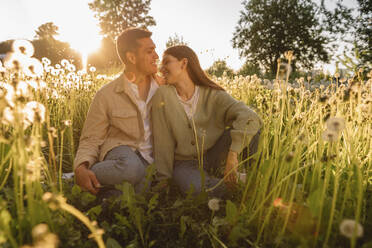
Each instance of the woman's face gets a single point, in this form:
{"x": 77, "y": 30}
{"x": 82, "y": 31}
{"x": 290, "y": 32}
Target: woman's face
{"x": 171, "y": 68}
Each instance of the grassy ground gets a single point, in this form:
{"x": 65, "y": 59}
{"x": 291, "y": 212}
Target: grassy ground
{"x": 311, "y": 187}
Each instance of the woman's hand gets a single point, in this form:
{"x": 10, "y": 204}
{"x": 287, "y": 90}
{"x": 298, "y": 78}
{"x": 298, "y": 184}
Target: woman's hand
{"x": 231, "y": 168}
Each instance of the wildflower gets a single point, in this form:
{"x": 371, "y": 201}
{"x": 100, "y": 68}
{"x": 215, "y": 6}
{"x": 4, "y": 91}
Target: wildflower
{"x": 8, "y": 116}
{"x": 45, "y": 61}
{"x": 67, "y": 123}
{"x": 337, "y": 75}
{"x": 10, "y": 93}
{"x": 57, "y": 66}
{"x": 289, "y": 157}
{"x": 22, "y": 90}
{"x": 278, "y": 202}
{"x": 39, "y": 231}
{"x": 53, "y": 132}
{"x": 348, "y": 227}
{"x": 92, "y": 69}
{"x": 34, "y": 68}
{"x": 330, "y": 135}
{"x": 24, "y": 47}
{"x": 65, "y": 63}
{"x": 288, "y": 55}
{"x": 71, "y": 68}
{"x": 14, "y": 61}
{"x": 33, "y": 111}
{"x": 214, "y": 204}
{"x": 335, "y": 124}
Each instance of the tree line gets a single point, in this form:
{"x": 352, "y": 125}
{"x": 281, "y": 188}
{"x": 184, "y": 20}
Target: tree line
{"x": 265, "y": 30}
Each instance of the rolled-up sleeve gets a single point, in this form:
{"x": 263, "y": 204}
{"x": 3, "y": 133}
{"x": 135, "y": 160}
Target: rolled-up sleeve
{"x": 244, "y": 122}
{"x": 94, "y": 132}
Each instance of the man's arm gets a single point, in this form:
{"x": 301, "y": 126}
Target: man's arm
{"x": 93, "y": 134}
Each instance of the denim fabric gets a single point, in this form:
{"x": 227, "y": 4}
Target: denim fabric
{"x": 121, "y": 164}
{"x": 186, "y": 173}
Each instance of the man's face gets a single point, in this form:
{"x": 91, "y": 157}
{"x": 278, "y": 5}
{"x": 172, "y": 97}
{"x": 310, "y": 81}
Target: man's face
{"x": 146, "y": 56}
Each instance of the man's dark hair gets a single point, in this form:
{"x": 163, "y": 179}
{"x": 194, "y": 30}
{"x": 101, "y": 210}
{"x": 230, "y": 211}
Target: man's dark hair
{"x": 127, "y": 41}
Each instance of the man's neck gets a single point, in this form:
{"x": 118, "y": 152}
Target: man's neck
{"x": 142, "y": 81}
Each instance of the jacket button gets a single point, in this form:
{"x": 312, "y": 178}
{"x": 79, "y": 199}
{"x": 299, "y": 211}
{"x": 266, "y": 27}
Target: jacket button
{"x": 192, "y": 142}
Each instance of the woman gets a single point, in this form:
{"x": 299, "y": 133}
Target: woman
{"x": 197, "y": 125}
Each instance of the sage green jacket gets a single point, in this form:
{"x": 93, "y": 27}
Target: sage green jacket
{"x": 178, "y": 138}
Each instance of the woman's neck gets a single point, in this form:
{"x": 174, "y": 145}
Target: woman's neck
{"x": 185, "y": 88}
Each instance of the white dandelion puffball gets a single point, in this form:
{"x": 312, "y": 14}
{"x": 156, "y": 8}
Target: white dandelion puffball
{"x": 336, "y": 124}
{"x": 34, "y": 111}
{"x": 348, "y": 226}
{"x": 214, "y": 204}
{"x": 24, "y": 47}
{"x": 330, "y": 135}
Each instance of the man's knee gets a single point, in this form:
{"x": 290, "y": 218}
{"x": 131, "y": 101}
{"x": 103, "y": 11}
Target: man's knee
{"x": 134, "y": 170}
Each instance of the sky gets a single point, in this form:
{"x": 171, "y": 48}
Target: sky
{"x": 206, "y": 25}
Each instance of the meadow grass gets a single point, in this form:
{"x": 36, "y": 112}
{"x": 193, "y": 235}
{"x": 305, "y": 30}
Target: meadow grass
{"x": 310, "y": 184}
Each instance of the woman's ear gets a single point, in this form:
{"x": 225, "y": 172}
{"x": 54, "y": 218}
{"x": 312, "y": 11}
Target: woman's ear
{"x": 184, "y": 63}
{"x": 131, "y": 57}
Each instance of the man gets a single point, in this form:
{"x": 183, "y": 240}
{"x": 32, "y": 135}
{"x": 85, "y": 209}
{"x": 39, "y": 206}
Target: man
{"x": 116, "y": 143}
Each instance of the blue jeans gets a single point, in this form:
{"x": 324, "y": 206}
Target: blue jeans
{"x": 186, "y": 173}
{"x": 121, "y": 164}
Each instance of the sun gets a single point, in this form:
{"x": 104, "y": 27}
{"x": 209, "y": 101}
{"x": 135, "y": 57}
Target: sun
{"x": 86, "y": 47}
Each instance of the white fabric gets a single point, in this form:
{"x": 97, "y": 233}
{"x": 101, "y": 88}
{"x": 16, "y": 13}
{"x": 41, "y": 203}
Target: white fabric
{"x": 190, "y": 105}
{"x": 145, "y": 147}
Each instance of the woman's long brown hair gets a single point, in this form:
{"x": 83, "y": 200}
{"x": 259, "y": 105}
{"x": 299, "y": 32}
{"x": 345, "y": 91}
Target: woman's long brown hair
{"x": 196, "y": 73}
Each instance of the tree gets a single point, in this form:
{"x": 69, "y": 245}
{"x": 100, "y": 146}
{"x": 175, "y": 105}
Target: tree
{"x": 220, "y": 67}
{"x": 47, "y": 31}
{"x": 364, "y": 30}
{"x": 249, "y": 69}
{"x": 268, "y": 28}
{"x": 46, "y": 45}
{"x": 114, "y": 16}
{"x": 175, "y": 40}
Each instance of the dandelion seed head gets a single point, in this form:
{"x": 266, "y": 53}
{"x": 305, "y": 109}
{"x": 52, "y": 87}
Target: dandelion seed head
{"x": 34, "y": 68}
{"x": 336, "y": 124}
{"x": 330, "y": 135}
{"x": 67, "y": 123}
{"x": 22, "y": 90}
{"x": 65, "y": 63}
{"x": 45, "y": 61}
{"x": 348, "y": 226}
{"x": 23, "y": 47}
{"x": 71, "y": 68}
{"x": 34, "y": 111}
{"x": 8, "y": 116}
{"x": 14, "y": 61}
{"x": 214, "y": 204}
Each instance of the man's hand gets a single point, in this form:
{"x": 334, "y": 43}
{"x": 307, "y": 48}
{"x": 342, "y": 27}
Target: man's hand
{"x": 86, "y": 179}
{"x": 231, "y": 168}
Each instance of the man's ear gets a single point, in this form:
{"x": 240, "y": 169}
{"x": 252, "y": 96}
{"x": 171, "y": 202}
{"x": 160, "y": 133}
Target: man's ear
{"x": 131, "y": 57}
{"x": 184, "y": 63}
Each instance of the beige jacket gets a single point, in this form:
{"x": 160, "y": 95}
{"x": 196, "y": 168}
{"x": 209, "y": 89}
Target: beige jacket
{"x": 113, "y": 119}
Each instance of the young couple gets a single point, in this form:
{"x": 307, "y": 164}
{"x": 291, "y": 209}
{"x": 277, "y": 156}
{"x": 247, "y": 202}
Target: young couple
{"x": 135, "y": 121}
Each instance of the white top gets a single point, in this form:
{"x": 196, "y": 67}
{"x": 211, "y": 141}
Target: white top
{"x": 190, "y": 105}
{"x": 145, "y": 147}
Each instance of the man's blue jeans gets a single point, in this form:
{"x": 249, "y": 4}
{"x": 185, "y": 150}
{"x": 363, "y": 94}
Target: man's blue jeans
{"x": 121, "y": 164}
